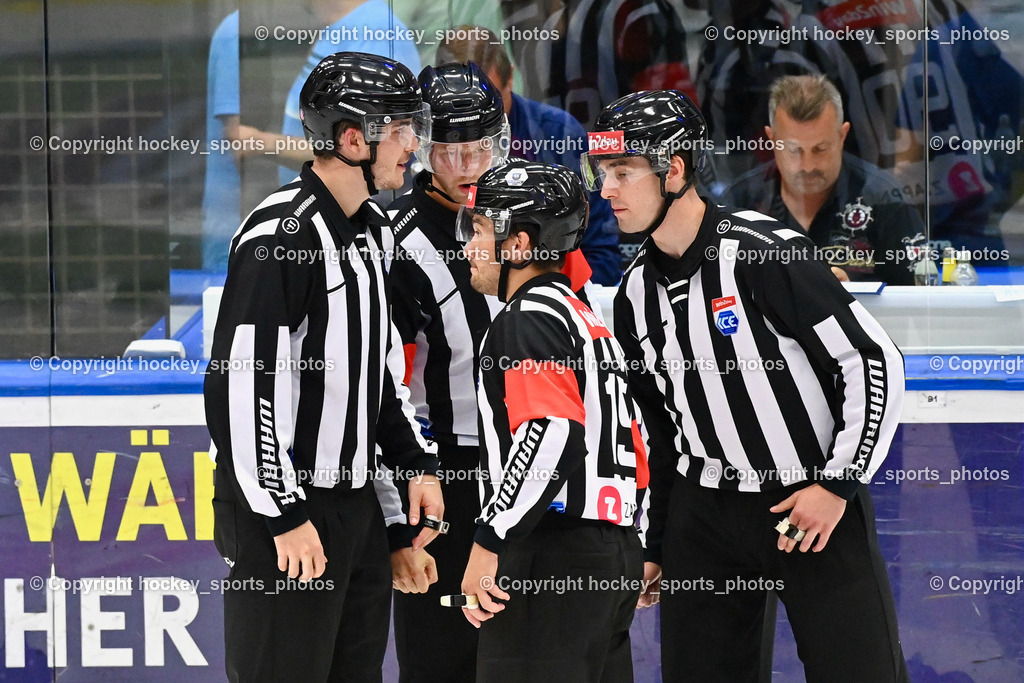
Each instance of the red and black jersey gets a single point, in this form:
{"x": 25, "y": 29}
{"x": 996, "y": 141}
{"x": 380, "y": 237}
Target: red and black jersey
{"x": 557, "y": 422}
{"x": 440, "y": 319}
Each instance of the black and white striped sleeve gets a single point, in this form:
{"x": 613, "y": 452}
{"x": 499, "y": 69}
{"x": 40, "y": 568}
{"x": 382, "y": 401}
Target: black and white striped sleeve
{"x": 406, "y": 310}
{"x": 656, "y": 425}
{"x": 403, "y": 449}
{"x": 803, "y": 300}
{"x": 262, "y": 303}
{"x": 390, "y": 485}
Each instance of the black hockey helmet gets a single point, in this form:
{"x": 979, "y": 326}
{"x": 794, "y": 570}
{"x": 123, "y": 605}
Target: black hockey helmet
{"x": 545, "y": 200}
{"x": 469, "y": 130}
{"x": 655, "y": 125}
{"x": 518, "y": 193}
{"x": 377, "y": 93}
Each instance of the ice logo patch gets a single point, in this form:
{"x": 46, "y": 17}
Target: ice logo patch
{"x": 726, "y": 320}
{"x": 727, "y": 323}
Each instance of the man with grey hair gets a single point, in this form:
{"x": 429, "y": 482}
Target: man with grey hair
{"x": 852, "y": 210}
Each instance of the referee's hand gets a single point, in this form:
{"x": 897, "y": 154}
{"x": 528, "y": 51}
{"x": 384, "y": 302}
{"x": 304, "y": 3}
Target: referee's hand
{"x": 815, "y": 511}
{"x": 412, "y": 571}
{"x": 651, "y": 593}
{"x": 480, "y": 580}
{"x": 300, "y": 553}
{"x": 425, "y": 492}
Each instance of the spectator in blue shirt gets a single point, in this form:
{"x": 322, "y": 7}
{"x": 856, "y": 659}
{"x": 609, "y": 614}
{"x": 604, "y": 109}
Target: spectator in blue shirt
{"x": 222, "y": 210}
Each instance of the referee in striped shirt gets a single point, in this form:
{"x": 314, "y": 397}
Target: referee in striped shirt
{"x": 769, "y": 397}
{"x": 560, "y": 448}
{"x": 299, "y": 393}
{"x": 441, "y": 321}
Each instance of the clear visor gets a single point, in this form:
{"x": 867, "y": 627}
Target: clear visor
{"x": 409, "y": 129}
{"x": 465, "y": 159}
{"x": 482, "y": 223}
{"x": 620, "y": 170}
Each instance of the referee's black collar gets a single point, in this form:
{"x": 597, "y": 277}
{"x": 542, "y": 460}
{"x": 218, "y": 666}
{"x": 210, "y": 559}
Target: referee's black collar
{"x": 347, "y": 228}
{"x": 432, "y": 210}
{"x": 672, "y": 268}
{"x": 540, "y": 281}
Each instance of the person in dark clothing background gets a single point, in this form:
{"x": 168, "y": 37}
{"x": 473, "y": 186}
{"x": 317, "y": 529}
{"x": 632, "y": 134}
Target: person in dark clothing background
{"x": 852, "y": 210}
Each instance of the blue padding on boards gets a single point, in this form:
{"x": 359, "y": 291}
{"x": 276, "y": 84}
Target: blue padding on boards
{"x": 953, "y": 372}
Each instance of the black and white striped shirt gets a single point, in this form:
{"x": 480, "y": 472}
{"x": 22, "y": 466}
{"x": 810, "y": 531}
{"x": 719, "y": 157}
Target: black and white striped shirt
{"x": 557, "y": 422}
{"x": 298, "y": 392}
{"x": 440, "y": 318}
{"x": 753, "y": 367}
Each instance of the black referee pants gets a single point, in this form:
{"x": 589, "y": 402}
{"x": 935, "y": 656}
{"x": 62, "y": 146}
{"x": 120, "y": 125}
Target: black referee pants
{"x": 436, "y": 644}
{"x": 334, "y": 628}
{"x": 720, "y": 559}
{"x": 575, "y": 627}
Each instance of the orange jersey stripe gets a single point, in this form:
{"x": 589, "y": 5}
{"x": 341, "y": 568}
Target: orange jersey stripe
{"x": 410, "y": 356}
{"x": 643, "y": 472}
{"x": 536, "y": 390}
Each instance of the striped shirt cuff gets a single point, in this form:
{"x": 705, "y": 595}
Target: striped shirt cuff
{"x": 290, "y": 519}
{"x": 845, "y": 487}
{"x": 486, "y": 538}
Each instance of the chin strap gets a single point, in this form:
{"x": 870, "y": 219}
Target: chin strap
{"x": 431, "y": 187}
{"x": 503, "y": 282}
{"x": 366, "y": 165}
{"x": 669, "y": 198}
{"x": 506, "y": 268}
